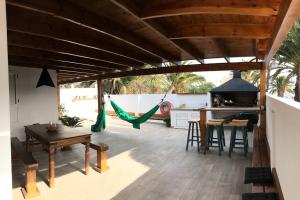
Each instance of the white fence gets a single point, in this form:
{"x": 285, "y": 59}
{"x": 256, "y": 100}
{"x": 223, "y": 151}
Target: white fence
{"x": 283, "y": 133}
{"x": 82, "y": 102}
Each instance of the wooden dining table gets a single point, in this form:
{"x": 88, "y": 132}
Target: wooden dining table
{"x": 61, "y": 137}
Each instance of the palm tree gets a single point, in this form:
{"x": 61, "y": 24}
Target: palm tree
{"x": 252, "y": 76}
{"x": 279, "y": 85}
{"x": 288, "y": 57}
{"x": 179, "y": 83}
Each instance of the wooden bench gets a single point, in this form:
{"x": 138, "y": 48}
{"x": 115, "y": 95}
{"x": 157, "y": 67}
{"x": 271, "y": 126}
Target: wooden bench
{"x": 260, "y": 158}
{"x": 101, "y": 148}
{"x": 30, "y": 189}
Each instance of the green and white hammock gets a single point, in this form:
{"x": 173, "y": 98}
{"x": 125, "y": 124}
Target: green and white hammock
{"x": 135, "y": 121}
{"x": 101, "y": 121}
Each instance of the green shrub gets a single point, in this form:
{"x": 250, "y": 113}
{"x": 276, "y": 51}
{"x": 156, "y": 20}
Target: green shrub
{"x": 73, "y": 122}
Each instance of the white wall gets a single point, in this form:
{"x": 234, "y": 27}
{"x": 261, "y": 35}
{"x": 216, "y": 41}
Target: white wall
{"x": 5, "y": 155}
{"x": 283, "y": 133}
{"x": 34, "y": 105}
{"x": 130, "y": 102}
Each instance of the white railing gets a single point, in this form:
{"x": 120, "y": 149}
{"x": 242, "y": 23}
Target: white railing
{"x": 283, "y": 134}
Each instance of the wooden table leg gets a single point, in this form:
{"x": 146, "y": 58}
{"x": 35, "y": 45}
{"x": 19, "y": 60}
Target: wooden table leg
{"x": 27, "y": 142}
{"x": 203, "y": 126}
{"x": 51, "y": 166}
{"x": 87, "y": 158}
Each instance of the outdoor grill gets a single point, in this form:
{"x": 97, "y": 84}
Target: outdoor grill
{"x": 235, "y": 93}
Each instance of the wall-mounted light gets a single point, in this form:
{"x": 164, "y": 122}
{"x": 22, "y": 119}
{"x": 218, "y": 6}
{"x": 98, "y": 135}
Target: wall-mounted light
{"x": 45, "y": 79}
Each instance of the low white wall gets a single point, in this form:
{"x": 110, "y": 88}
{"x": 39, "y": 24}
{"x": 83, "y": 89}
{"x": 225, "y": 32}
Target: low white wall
{"x": 283, "y": 133}
{"x": 5, "y": 153}
{"x": 33, "y": 105}
{"x": 129, "y": 102}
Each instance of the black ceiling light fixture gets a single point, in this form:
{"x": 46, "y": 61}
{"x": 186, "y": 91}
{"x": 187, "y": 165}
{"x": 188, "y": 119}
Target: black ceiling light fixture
{"x": 45, "y": 79}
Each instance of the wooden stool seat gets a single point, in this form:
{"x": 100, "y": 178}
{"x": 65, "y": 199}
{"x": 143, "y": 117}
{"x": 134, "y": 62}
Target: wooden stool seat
{"x": 220, "y": 139}
{"x": 193, "y": 124}
{"x": 101, "y": 149}
{"x": 214, "y": 123}
{"x": 238, "y": 123}
{"x": 234, "y": 141}
{"x": 194, "y": 121}
{"x": 217, "y": 120}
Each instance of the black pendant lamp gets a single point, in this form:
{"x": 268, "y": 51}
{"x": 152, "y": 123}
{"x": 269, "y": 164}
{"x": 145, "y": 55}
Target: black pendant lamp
{"x": 45, "y": 79}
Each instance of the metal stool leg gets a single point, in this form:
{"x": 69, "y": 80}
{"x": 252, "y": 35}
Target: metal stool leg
{"x": 211, "y": 135}
{"x": 192, "y": 134}
{"x": 223, "y": 135}
{"x": 220, "y": 139}
{"x": 208, "y": 128}
{"x": 245, "y": 140}
{"x": 188, "y": 138}
{"x": 219, "y": 136}
{"x": 232, "y": 140}
{"x": 197, "y": 132}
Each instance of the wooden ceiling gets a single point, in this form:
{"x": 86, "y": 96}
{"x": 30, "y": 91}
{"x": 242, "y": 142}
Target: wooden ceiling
{"x": 110, "y": 38}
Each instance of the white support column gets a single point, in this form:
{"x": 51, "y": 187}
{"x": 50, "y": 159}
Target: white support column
{"x": 5, "y": 153}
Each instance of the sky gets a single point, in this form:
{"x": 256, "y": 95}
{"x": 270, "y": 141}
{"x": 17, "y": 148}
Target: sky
{"x": 216, "y": 77}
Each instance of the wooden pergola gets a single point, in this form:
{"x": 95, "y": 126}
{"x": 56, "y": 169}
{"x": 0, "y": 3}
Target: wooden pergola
{"x": 91, "y": 40}
{"x": 95, "y": 40}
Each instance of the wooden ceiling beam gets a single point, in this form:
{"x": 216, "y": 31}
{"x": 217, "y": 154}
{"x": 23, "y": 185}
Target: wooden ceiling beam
{"x": 65, "y": 48}
{"x": 29, "y": 22}
{"x": 288, "y": 12}
{"x": 192, "y": 50}
{"x": 57, "y": 64}
{"x": 176, "y": 69}
{"x": 27, "y": 64}
{"x": 33, "y": 53}
{"x": 63, "y": 71}
{"x": 71, "y": 12}
{"x": 220, "y": 47}
{"x": 129, "y": 7}
{"x": 158, "y": 8}
{"x": 221, "y": 30}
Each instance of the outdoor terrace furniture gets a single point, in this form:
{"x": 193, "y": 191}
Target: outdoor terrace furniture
{"x": 31, "y": 166}
{"x": 238, "y": 142}
{"x": 263, "y": 189}
{"x": 193, "y": 124}
{"x": 259, "y": 196}
{"x": 63, "y": 136}
{"x": 101, "y": 148}
{"x": 210, "y": 139}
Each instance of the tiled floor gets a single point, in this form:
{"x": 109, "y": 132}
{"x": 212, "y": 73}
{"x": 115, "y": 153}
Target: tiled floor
{"x": 150, "y": 163}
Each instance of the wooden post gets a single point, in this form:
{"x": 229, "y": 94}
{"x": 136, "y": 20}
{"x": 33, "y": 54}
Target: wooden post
{"x": 203, "y": 126}
{"x": 263, "y": 85}
{"x": 30, "y": 190}
{"x": 100, "y": 93}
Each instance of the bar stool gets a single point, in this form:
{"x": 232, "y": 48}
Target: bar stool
{"x": 210, "y": 139}
{"x": 222, "y": 129}
{"x": 242, "y": 142}
{"x": 193, "y": 124}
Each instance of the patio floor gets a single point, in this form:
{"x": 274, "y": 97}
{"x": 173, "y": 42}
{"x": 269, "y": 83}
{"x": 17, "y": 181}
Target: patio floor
{"x": 150, "y": 163}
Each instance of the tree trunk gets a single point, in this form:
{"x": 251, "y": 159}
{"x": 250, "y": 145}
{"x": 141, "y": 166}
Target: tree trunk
{"x": 297, "y": 85}
{"x": 280, "y": 92}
